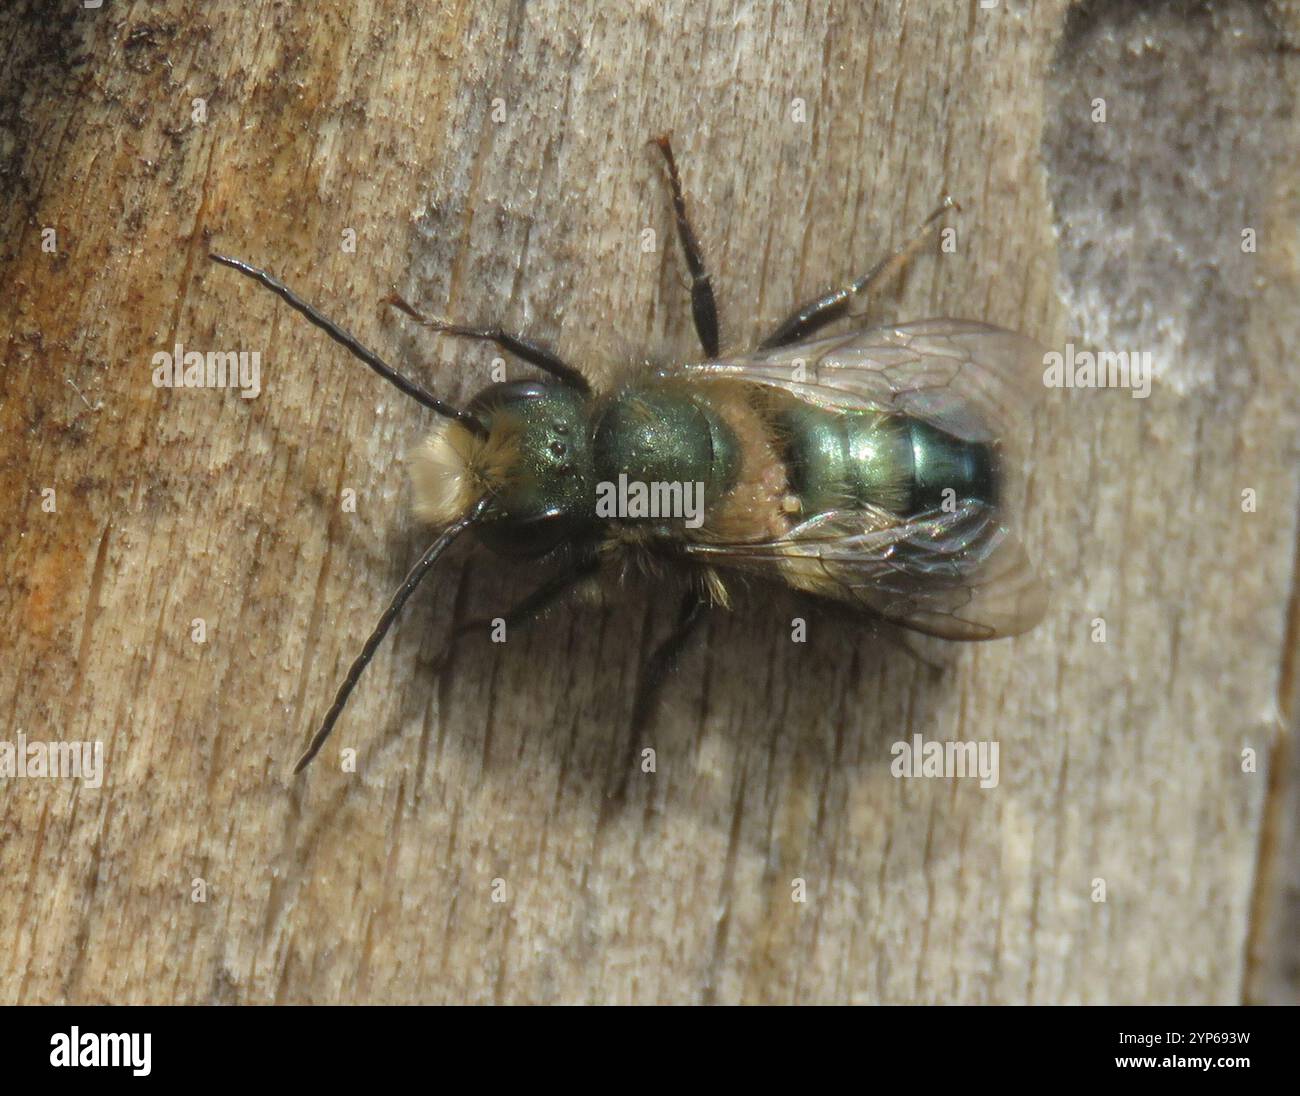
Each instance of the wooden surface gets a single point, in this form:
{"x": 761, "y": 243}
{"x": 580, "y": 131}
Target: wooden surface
{"x": 1120, "y": 761}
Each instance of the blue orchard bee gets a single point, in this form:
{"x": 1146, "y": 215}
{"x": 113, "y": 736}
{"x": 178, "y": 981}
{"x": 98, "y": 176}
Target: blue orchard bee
{"x": 868, "y": 467}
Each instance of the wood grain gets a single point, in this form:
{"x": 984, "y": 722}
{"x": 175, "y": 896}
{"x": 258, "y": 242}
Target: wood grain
{"x": 491, "y": 159}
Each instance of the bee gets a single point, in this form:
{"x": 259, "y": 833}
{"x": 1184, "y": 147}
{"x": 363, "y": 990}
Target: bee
{"x": 869, "y": 467}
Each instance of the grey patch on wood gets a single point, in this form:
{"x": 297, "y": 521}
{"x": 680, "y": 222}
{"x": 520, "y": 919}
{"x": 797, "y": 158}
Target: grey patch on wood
{"x": 1150, "y": 204}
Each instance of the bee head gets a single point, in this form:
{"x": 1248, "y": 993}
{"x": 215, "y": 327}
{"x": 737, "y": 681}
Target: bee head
{"x": 534, "y": 461}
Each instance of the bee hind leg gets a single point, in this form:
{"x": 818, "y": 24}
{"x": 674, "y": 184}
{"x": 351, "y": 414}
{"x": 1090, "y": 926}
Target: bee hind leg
{"x": 662, "y": 663}
{"x": 704, "y": 309}
{"x": 814, "y": 314}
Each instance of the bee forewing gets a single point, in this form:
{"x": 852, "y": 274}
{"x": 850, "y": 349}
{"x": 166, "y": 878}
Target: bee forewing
{"x": 970, "y": 379}
{"x": 957, "y": 575}
{"x": 969, "y": 581}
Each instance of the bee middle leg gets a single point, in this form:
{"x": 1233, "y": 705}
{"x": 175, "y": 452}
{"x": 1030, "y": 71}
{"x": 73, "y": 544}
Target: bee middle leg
{"x": 531, "y": 352}
{"x": 704, "y": 309}
{"x": 814, "y": 314}
{"x": 650, "y": 687}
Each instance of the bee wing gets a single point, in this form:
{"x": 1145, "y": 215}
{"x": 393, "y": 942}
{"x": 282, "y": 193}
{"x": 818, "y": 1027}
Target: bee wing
{"x": 970, "y": 379}
{"x": 957, "y": 575}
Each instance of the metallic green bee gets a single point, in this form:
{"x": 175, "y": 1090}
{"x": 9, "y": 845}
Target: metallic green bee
{"x": 869, "y": 467}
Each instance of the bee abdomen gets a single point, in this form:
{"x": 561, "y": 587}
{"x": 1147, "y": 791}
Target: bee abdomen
{"x": 942, "y": 462}
{"x": 837, "y": 460}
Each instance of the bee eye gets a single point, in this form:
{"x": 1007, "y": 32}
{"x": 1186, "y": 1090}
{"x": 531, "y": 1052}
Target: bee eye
{"x": 558, "y": 448}
{"x": 510, "y": 394}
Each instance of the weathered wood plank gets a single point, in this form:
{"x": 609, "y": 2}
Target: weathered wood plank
{"x": 491, "y": 159}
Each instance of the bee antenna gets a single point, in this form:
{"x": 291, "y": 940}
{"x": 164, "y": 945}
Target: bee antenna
{"x": 391, "y": 375}
{"x": 412, "y": 580}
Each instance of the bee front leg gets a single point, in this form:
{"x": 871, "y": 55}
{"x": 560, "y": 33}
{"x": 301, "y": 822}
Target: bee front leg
{"x": 528, "y": 608}
{"x": 535, "y": 604}
{"x": 661, "y": 664}
{"x": 817, "y": 313}
{"x": 533, "y": 353}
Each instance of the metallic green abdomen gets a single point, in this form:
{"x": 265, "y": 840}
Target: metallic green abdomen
{"x": 837, "y": 460}
{"x": 941, "y": 461}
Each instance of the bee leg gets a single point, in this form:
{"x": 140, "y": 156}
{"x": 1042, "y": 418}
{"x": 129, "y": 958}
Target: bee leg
{"x": 811, "y": 315}
{"x": 536, "y": 603}
{"x": 704, "y": 309}
{"x": 531, "y": 352}
{"x": 661, "y": 664}
{"x": 530, "y": 607}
